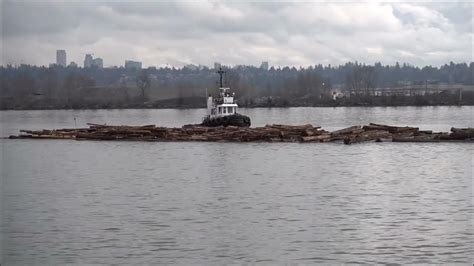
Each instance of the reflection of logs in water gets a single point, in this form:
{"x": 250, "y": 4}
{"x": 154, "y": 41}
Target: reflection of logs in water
{"x": 268, "y": 133}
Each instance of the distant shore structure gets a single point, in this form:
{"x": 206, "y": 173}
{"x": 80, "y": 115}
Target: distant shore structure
{"x": 130, "y": 64}
{"x": 61, "y": 58}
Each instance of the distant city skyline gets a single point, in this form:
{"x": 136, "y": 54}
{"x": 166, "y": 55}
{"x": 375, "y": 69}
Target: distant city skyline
{"x": 200, "y": 33}
{"x": 90, "y": 61}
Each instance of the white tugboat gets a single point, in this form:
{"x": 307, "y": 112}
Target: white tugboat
{"x": 222, "y": 111}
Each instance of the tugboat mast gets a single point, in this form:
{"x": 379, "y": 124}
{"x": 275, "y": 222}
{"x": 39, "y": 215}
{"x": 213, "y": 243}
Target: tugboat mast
{"x": 221, "y": 73}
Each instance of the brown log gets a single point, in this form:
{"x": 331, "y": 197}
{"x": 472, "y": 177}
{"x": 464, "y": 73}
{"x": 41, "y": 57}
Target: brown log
{"x": 462, "y": 133}
{"x": 290, "y": 127}
{"x": 199, "y": 138}
{"x": 416, "y": 139}
{"x": 429, "y": 138}
{"x": 348, "y": 130}
{"x": 376, "y": 135}
{"x": 395, "y": 129}
{"x": 319, "y": 138}
{"x": 374, "y": 127}
{"x": 93, "y": 125}
{"x": 425, "y": 132}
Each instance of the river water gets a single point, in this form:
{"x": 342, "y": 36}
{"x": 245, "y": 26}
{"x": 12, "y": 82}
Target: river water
{"x": 83, "y": 202}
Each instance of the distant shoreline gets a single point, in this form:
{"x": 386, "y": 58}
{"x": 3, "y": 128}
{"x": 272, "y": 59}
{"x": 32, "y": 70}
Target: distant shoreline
{"x": 203, "y": 107}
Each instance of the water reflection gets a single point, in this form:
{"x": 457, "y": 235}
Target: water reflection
{"x": 221, "y": 203}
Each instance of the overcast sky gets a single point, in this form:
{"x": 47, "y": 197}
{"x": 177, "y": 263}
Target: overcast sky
{"x": 295, "y": 34}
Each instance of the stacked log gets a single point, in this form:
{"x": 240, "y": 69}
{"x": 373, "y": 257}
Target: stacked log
{"x": 344, "y": 133}
{"x": 371, "y": 135}
{"x": 462, "y": 133}
{"x": 391, "y": 129}
{"x": 268, "y": 133}
{"x": 378, "y": 132}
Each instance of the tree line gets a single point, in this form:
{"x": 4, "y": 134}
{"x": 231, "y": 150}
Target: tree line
{"x": 65, "y": 87}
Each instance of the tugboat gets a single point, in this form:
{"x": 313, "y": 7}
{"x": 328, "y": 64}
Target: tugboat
{"x": 222, "y": 111}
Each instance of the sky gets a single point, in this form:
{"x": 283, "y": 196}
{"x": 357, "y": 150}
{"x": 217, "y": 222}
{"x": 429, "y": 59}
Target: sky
{"x": 237, "y": 33}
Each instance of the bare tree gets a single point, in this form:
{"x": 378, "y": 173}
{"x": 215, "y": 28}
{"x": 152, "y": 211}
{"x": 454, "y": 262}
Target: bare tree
{"x": 143, "y": 83}
{"x": 362, "y": 79}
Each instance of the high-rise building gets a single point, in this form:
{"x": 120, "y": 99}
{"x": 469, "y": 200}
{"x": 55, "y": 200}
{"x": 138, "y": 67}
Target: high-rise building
{"x": 264, "y": 65}
{"x": 191, "y": 67}
{"x": 61, "y": 58}
{"x": 130, "y": 64}
{"x": 98, "y": 62}
{"x": 88, "y": 60}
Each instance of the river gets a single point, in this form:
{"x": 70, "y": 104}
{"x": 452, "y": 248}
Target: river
{"x": 65, "y": 201}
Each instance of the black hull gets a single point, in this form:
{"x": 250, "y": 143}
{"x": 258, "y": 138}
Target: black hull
{"x": 237, "y": 120}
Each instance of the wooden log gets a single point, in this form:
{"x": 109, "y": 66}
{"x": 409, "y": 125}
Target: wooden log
{"x": 37, "y": 132}
{"x": 339, "y": 137}
{"x": 462, "y": 133}
{"x": 470, "y": 130}
{"x": 319, "y": 138}
{"x": 199, "y": 138}
{"x": 20, "y": 137}
{"x": 394, "y": 129}
{"x": 290, "y": 127}
{"x": 146, "y": 127}
{"x": 348, "y": 130}
{"x": 429, "y": 132}
{"x": 429, "y": 138}
{"x": 50, "y": 137}
{"x": 312, "y": 132}
{"x": 415, "y": 139}
{"x": 374, "y": 127}
{"x": 376, "y": 135}
{"x": 93, "y": 125}
{"x": 71, "y": 129}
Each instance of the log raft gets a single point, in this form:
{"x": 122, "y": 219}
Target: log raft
{"x": 268, "y": 133}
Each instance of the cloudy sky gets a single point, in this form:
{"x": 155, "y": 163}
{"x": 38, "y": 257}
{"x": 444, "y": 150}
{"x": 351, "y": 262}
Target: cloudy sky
{"x": 296, "y": 33}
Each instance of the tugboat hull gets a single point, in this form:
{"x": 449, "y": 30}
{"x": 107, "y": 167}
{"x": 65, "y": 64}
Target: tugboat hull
{"x": 237, "y": 120}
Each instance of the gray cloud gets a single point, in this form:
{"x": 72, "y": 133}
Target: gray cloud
{"x": 238, "y": 33}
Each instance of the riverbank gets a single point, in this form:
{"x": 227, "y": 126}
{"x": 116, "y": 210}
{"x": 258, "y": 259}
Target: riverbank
{"x": 442, "y": 99}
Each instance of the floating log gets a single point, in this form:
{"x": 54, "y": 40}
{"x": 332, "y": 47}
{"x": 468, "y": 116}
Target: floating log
{"x": 376, "y": 135}
{"x": 349, "y": 130}
{"x": 391, "y": 129}
{"x": 462, "y": 133}
{"x": 425, "y": 132}
{"x": 416, "y": 139}
{"x": 320, "y": 138}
